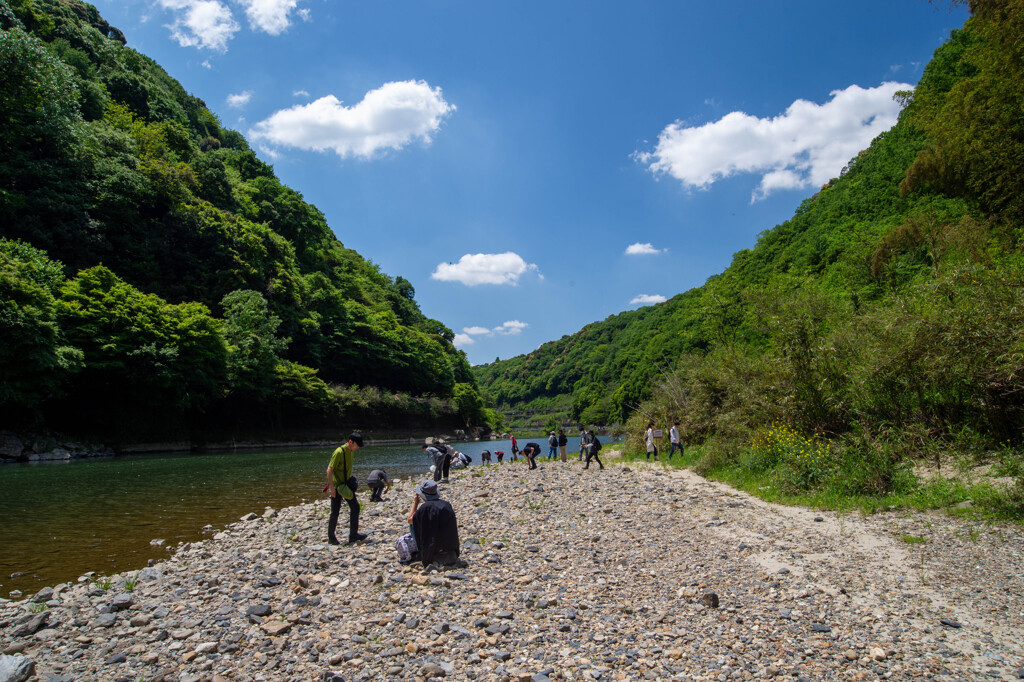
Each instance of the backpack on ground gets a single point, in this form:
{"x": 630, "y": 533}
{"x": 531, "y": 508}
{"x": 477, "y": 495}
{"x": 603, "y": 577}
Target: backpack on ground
{"x": 407, "y": 549}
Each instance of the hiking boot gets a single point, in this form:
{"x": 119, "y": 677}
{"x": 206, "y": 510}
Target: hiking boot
{"x": 358, "y": 537}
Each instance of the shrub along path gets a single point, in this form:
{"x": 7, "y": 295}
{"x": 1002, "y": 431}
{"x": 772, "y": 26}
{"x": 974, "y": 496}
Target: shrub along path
{"x": 623, "y": 574}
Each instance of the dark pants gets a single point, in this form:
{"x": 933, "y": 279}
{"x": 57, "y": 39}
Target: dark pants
{"x": 442, "y": 471}
{"x": 376, "y": 491}
{"x": 353, "y": 517}
{"x": 592, "y": 454}
{"x": 653, "y": 452}
{"x": 532, "y": 457}
{"x": 673, "y": 449}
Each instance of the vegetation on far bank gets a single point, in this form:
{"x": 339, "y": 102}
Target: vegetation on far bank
{"x": 156, "y": 278}
{"x": 884, "y": 322}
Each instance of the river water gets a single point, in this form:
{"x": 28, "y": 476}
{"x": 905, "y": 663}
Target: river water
{"x": 62, "y": 519}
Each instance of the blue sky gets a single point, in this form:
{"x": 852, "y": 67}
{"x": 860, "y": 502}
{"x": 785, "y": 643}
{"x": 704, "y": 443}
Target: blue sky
{"x": 535, "y": 166}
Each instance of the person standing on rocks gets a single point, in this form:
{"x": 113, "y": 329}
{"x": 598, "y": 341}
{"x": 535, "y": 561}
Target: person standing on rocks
{"x": 530, "y": 452}
{"x": 593, "y": 447}
{"x": 515, "y": 449}
{"x": 562, "y": 442}
{"x": 341, "y": 485}
{"x": 552, "y": 446}
{"x": 652, "y": 449}
{"x": 673, "y": 436}
{"x": 584, "y": 443}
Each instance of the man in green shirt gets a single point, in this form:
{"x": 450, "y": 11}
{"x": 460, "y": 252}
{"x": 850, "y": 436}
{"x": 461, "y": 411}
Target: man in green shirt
{"x": 341, "y": 485}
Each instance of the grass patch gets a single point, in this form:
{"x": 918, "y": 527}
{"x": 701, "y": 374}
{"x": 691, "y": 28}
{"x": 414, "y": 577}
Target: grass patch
{"x": 914, "y": 539}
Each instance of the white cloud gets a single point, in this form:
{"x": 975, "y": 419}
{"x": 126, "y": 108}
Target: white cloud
{"x": 389, "y": 117}
{"x": 484, "y": 268}
{"x": 477, "y": 331}
{"x": 300, "y": 93}
{"x": 271, "y": 16}
{"x": 804, "y": 147}
{"x": 240, "y": 100}
{"x": 511, "y": 328}
{"x": 638, "y": 249}
{"x": 647, "y": 299}
{"x": 462, "y": 340}
{"x": 205, "y": 24}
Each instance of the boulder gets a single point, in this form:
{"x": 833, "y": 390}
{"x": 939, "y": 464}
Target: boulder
{"x": 16, "y": 668}
{"x": 11, "y": 446}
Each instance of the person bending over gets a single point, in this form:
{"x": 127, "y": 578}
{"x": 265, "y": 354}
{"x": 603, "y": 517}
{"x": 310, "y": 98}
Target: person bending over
{"x": 377, "y": 481}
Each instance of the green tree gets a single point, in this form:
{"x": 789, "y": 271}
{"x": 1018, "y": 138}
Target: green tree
{"x": 33, "y": 357}
{"x": 254, "y": 348}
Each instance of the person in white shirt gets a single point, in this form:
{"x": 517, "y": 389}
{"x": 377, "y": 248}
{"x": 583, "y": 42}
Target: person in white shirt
{"x": 673, "y": 435}
{"x": 652, "y": 449}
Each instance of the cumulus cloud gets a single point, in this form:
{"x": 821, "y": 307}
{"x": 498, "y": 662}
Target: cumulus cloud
{"x": 477, "y": 330}
{"x": 484, "y": 268}
{"x": 511, "y": 328}
{"x": 206, "y": 24}
{"x": 641, "y": 249}
{"x": 804, "y": 147}
{"x": 389, "y": 117}
{"x": 270, "y": 16}
{"x": 240, "y": 100}
{"x": 647, "y": 299}
{"x": 461, "y": 340}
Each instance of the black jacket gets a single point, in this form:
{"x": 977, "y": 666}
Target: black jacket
{"x": 435, "y": 529}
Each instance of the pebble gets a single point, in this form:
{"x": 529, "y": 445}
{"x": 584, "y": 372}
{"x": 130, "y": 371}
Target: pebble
{"x": 571, "y": 575}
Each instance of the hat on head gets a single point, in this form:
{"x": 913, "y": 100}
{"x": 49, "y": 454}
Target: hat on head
{"x": 428, "y": 491}
{"x": 356, "y": 438}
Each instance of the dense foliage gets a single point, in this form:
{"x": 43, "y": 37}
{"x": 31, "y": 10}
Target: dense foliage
{"x": 153, "y": 269}
{"x": 886, "y": 317}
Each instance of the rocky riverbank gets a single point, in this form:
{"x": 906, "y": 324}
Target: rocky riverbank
{"x": 623, "y": 574}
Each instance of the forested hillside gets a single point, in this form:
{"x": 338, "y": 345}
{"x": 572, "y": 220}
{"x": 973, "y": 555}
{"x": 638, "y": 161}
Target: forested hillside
{"x": 885, "y": 320}
{"x": 157, "y": 279}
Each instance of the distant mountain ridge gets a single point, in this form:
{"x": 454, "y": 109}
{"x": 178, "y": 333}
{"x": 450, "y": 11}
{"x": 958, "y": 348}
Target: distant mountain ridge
{"x": 873, "y": 310}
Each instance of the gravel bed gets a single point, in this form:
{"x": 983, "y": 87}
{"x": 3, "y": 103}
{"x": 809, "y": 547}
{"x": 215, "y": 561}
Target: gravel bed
{"x": 630, "y": 573}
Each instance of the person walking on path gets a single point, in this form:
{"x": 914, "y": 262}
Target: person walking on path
{"x": 652, "y": 449}
{"x": 552, "y": 446}
{"x": 341, "y": 485}
{"x": 377, "y": 481}
{"x": 562, "y": 442}
{"x": 593, "y": 447}
{"x": 530, "y": 452}
{"x": 673, "y": 435}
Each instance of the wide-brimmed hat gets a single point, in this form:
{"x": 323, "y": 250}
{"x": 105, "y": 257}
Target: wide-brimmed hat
{"x": 428, "y": 491}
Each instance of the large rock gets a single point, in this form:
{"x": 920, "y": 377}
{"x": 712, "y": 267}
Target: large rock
{"x": 16, "y": 668}
{"x": 11, "y": 446}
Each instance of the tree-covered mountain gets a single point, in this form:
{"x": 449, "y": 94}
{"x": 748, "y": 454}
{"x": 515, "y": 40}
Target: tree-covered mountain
{"x": 153, "y": 270}
{"x": 887, "y": 314}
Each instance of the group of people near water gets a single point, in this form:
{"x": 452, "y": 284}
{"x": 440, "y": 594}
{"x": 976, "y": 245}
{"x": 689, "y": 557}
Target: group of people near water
{"x": 433, "y": 530}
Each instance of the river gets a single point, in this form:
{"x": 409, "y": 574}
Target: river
{"x": 62, "y": 519}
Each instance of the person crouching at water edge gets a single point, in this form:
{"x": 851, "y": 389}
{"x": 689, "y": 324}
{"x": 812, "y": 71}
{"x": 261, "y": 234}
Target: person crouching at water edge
{"x": 342, "y": 485}
{"x": 377, "y": 481}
